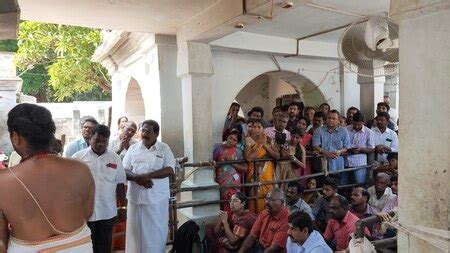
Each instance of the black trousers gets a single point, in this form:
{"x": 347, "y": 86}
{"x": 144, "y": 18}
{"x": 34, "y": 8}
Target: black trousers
{"x": 101, "y": 234}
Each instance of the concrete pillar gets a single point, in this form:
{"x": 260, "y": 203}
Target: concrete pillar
{"x": 9, "y": 85}
{"x": 424, "y": 160}
{"x": 194, "y": 67}
{"x": 371, "y": 93}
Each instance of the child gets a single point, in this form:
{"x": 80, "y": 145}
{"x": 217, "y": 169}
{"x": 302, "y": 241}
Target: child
{"x": 310, "y": 197}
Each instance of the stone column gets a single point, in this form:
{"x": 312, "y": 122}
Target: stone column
{"x": 424, "y": 160}
{"x": 194, "y": 67}
{"x": 371, "y": 93}
{"x": 9, "y": 85}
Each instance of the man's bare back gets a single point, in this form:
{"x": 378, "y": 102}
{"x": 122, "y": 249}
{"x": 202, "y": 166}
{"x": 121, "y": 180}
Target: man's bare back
{"x": 63, "y": 187}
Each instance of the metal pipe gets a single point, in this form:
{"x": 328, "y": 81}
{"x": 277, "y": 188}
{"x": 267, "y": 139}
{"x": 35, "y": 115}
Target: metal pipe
{"x": 335, "y": 10}
{"x": 200, "y": 202}
{"x": 208, "y": 187}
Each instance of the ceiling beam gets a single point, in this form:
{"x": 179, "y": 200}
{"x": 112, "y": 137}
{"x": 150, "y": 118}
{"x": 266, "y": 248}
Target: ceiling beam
{"x": 9, "y": 19}
{"x": 221, "y": 18}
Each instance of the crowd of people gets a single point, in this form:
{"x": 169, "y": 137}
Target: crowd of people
{"x": 292, "y": 213}
{"x": 52, "y": 202}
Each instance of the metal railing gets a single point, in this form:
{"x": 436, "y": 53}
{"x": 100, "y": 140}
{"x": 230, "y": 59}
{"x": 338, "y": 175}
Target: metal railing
{"x": 180, "y": 176}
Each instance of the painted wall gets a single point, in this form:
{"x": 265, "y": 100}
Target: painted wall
{"x": 233, "y": 70}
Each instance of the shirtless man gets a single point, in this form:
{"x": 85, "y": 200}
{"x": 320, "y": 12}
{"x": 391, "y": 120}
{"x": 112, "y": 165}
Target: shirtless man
{"x": 63, "y": 188}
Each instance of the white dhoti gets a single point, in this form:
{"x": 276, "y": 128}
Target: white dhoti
{"x": 147, "y": 227}
{"x": 77, "y": 242}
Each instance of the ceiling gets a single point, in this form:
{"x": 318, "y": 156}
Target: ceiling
{"x": 307, "y": 19}
{"x": 164, "y": 16}
{"x": 152, "y": 16}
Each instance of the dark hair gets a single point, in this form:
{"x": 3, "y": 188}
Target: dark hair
{"x": 120, "y": 119}
{"x": 300, "y": 188}
{"x": 277, "y": 108}
{"x": 384, "y": 114}
{"x": 256, "y": 109}
{"x": 384, "y": 104}
{"x": 34, "y": 123}
{"x": 231, "y": 106}
{"x": 325, "y": 104}
{"x": 343, "y": 202}
{"x": 281, "y": 115}
{"x": 392, "y": 156}
{"x": 101, "y": 130}
{"x": 358, "y": 117}
{"x": 241, "y": 196}
{"x": 285, "y": 108}
{"x": 353, "y": 108}
{"x": 311, "y": 178}
{"x": 394, "y": 178}
{"x": 301, "y": 220}
{"x": 88, "y": 119}
{"x": 335, "y": 111}
{"x": 152, "y": 123}
{"x": 364, "y": 192}
{"x": 252, "y": 121}
{"x": 299, "y": 105}
{"x": 331, "y": 182}
{"x": 57, "y": 146}
{"x": 235, "y": 132}
{"x": 309, "y": 108}
{"x": 305, "y": 119}
{"x": 296, "y": 130}
{"x": 319, "y": 115}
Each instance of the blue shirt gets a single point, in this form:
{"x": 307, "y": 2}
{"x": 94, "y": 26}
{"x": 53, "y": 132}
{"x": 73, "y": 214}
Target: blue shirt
{"x": 314, "y": 244}
{"x": 331, "y": 142}
{"x": 301, "y": 205}
{"x": 75, "y": 146}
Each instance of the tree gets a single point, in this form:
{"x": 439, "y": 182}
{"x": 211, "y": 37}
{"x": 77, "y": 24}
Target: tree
{"x": 64, "y": 53}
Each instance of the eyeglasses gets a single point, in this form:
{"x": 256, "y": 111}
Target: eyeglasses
{"x": 231, "y": 201}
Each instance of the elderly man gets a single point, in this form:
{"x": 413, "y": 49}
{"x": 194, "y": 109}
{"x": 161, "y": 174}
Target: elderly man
{"x": 294, "y": 194}
{"x": 382, "y": 199}
{"x": 148, "y": 165}
{"x": 302, "y": 238}
{"x": 46, "y": 199}
{"x": 87, "y": 124}
{"x": 107, "y": 170}
{"x": 341, "y": 224}
{"x": 122, "y": 143}
{"x": 270, "y": 228}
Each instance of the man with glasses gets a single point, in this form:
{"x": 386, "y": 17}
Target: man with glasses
{"x": 270, "y": 228}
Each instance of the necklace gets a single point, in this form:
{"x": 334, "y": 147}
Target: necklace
{"x": 38, "y": 155}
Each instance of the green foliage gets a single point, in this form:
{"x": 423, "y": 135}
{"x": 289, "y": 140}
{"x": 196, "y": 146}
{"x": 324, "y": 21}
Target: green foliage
{"x": 59, "y": 55}
{"x": 8, "y": 45}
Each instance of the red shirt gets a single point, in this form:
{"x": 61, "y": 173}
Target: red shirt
{"x": 306, "y": 139}
{"x": 341, "y": 230}
{"x": 271, "y": 229}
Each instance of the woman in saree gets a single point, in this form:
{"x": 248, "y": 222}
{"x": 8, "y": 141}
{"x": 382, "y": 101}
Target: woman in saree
{"x": 257, "y": 146}
{"x": 232, "y": 228}
{"x": 229, "y": 174}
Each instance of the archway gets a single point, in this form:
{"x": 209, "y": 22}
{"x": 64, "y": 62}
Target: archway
{"x": 278, "y": 88}
{"x": 134, "y": 103}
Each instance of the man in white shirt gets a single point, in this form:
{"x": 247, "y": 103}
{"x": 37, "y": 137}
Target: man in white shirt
{"x": 107, "y": 171}
{"x": 386, "y": 140}
{"x": 148, "y": 165}
{"x": 302, "y": 238}
{"x": 121, "y": 143}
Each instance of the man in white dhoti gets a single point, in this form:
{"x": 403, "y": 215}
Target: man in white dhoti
{"x": 148, "y": 165}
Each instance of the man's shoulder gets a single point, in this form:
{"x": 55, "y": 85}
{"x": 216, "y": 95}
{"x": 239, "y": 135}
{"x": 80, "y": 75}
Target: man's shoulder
{"x": 80, "y": 153}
